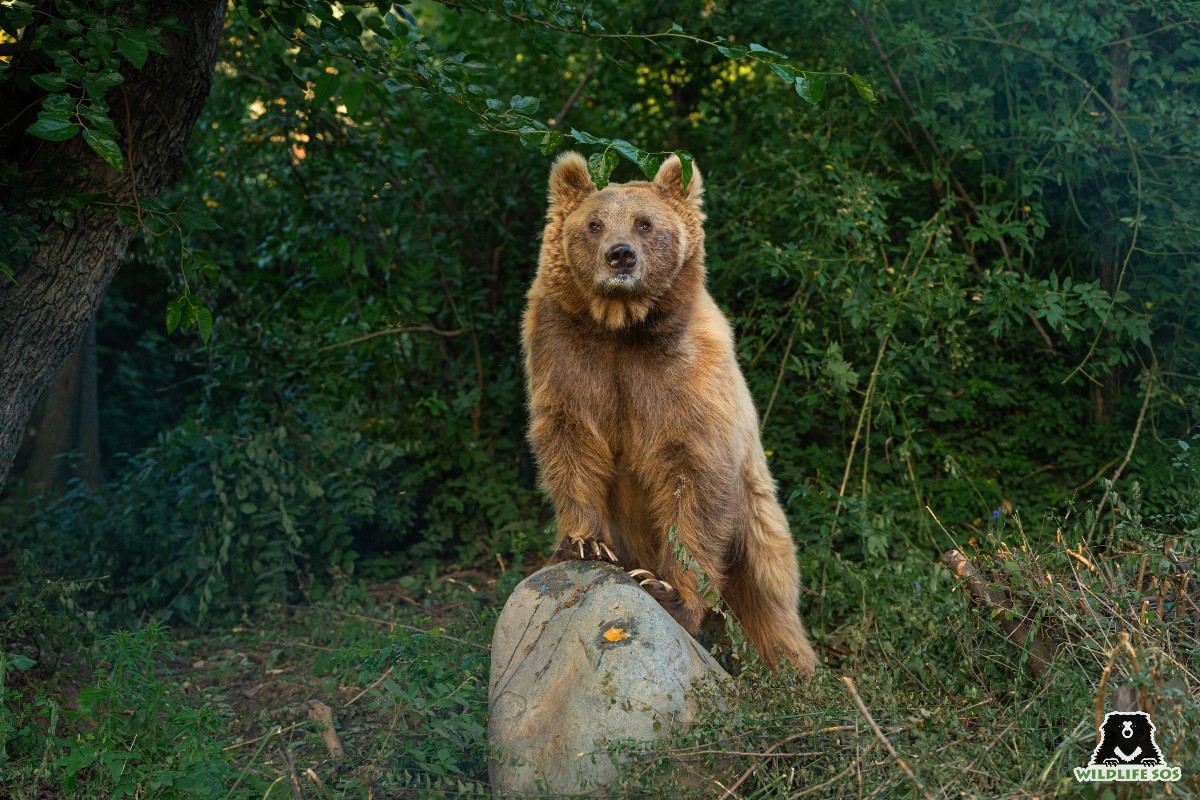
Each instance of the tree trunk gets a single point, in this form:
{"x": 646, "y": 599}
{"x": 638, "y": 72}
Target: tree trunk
{"x": 58, "y": 288}
{"x": 65, "y": 419}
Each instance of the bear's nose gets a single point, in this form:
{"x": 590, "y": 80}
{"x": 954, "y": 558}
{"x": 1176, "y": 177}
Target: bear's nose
{"x": 622, "y": 258}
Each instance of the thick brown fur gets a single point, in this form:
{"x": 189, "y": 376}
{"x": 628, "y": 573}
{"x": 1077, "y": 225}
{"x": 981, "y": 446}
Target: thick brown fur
{"x": 640, "y": 417}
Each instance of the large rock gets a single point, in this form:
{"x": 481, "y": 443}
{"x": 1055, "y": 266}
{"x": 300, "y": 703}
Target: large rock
{"x": 581, "y": 657}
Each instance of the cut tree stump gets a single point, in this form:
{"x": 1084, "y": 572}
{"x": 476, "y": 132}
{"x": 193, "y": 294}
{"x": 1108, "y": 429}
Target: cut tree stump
{"x": 583, "y": 657}
{"x": 322, "y": 714}
{"x": 1018, "y": 628}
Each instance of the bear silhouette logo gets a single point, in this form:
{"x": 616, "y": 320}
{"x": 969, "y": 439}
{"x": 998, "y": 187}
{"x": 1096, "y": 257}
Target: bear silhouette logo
{"x": 1127, "y": 740}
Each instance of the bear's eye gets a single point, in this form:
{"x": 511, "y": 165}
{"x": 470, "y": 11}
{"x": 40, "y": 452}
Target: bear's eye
{"x": 594, "y": 226}
{"x": 644, "y": 225}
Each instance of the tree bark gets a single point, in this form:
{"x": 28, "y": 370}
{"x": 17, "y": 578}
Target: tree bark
{"x": 65, "y": 419}
{"x": 57, "y": 290}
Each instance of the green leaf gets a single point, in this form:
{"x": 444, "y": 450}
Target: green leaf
{"x": 732, "y": 51}
{"x": 619, "y": 63}
{"x": 105, "y": 147}
{"x": 350, "y": 25}
{"x": 15, "y": 661}
{"x": 864, "y": 89}
{"x": 99, "y": 39}
{"x": 648, "y": 165}
{"x": 324, "y": 88}
{"x": 811, "y": 87}
{"x": 758, "y": 48}
{"x": 583, "y": 137}
{"x": 600, "y": 167}
{"x": 377, "y": 25}
{"x": 202, "y": 261}
{"x": 785, "y": 72}
{"x": 204, "y": 321}
{"x": 54, "y": 129}
{"x": 352, "y": 96}
{"x": 126, "y": 215}
{"x": 524, "y": 105}
{"x": 671, "y": 51}
{"x": 552, "y": 142}
{"x": 626, "y": 149}
{"x": 50, "y": 81}
{"x": 96, "y": 84}
{"x": 193, "y": 216}
{"x": 189, "y": 308}
{"x": 174, "y": 313}
{"x": 148, "y": 39}
{"x": 134, "y": 49}
{"x": 686, "y": 166}
{"x": 95, "y": 116}
{"x": 306, "y": 57}
{"x": 114, "y": 762}
{"x": 77, "y": 759}
{"x": 58, "y": 105}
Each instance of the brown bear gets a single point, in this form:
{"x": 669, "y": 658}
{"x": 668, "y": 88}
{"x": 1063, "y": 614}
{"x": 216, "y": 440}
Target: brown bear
{"x": 640, "y": 417}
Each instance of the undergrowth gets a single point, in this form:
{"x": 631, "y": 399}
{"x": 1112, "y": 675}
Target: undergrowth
{"x": 404, "y": 667}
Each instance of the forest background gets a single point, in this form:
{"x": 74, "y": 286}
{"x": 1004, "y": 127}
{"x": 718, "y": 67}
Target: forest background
{"x": 958, "y": 242}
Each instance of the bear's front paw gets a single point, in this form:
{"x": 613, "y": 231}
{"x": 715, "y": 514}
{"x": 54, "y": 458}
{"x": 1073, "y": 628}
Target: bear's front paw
{"x": 579, "y": 548}
{"x": 1151, "y": 762}
{"x": 666, "y": 594}
{"x": 1111, "y": 762}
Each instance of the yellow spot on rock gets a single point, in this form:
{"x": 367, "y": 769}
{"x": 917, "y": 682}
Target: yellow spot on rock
{"x": 615, "y": 634}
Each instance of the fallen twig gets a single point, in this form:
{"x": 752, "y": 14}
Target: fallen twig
{"x": 900, "y": 762}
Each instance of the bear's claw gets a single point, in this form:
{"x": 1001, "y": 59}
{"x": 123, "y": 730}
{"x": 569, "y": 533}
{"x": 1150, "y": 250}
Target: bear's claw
{"x": 580, "y": 548}
{"x": 666, "y": 594}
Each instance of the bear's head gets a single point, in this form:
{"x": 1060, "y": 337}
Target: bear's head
{"x": 621, "y": 253}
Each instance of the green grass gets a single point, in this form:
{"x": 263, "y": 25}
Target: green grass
{"x": 223, "y": 711}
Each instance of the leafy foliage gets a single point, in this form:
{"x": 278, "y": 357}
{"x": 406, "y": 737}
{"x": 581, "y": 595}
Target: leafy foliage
{"x": 134, "y": 734}
{"x": 961, "y": 272}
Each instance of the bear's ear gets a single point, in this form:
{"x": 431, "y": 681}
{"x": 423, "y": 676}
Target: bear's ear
{"x": 569, "y": 180}
{"x": 670, "y": 180}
